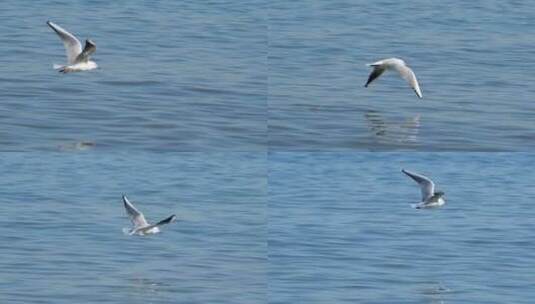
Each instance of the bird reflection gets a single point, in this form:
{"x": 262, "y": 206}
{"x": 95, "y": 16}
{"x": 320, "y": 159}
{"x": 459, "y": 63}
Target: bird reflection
{"x": 77, "y": 146}
{"x": 388, "y": 132}
{"x": 435, "y": 293}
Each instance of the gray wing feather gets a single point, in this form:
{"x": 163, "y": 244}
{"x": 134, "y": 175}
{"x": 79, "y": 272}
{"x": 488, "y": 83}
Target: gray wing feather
{"x": 410, "y": 77}
{"x": 89, "y": 49}
{"x": 137, "y": 218}
{"x": 377, "y": 71}
{"x": 168, "y": 220}
{"x": 72, "y": 45}
{"x": 427, "y": 186}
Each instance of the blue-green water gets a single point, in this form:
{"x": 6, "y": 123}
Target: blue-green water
{"x": 241, "y": 75}
{"x": 173, "y": 76}
{"x": 62, "y": 219}
{"x": 473, "y": 60}
{"x": 341, "y": 229}
{"x": 195, "y": 110}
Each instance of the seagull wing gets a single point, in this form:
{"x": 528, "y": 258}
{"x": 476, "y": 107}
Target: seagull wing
{"x": 168, "y": 220}
{"x": 89, "y": 49}
{"x": 72, "y": 45}
{"x": 426, "y": 185}
{"x": 377, "y": 71}
{"x": 137, "y": 218}
{"x": 410, "y": 77}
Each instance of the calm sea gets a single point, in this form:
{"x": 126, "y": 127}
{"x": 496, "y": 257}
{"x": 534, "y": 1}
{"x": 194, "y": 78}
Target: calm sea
{"x": 174, "y": 75}
{"x": 341, "y": 229}
{"x": 473, "y": 59}
{"x": 318, "y": 218}
{"x": 62, "y": 218}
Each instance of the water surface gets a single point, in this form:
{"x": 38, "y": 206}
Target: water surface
{"x": 173, "y": 76}
{"x": 62, "y": 219}
{"x": 473, "y": 61}
{"x": 341, "y": 229}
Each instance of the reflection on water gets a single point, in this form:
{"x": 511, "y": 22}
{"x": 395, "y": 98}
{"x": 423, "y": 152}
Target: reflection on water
{"x": 211, "y": 257}
{"x": 141, "y": 285}
{"x": 435, "y": 293}
{"x": 391, "y": 132}
{"x": 77, "y": 146}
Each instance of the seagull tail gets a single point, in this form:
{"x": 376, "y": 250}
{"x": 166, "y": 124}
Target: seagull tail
{"x": 61, "y": 68}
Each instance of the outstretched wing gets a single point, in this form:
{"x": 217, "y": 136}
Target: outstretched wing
{"x": 168, "y": 220}
{"x": 89, "y": 48}
{"x": 410, "y": 77}
{"x": 427, "y": 186}
{"x": 377, "y": 71}
{"x": 72, "y": 45}
{"x": 137, "y": 218}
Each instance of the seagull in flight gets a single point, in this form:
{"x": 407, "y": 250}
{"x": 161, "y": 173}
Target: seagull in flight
{"x": 78, "y": 58}
{"x": 430, "y": 198}
{"x": 398, "y": 65}
{"x": 141, "y": 227}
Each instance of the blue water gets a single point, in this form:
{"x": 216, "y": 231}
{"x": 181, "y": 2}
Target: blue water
{"x": 317, "y": 219}
{"x": 173, "y": 76}
{"x": 341, "y": 229}
{"x": 214, "y": 75}
{"x": 62, "y": 217}
{"x": 473, "y": 59}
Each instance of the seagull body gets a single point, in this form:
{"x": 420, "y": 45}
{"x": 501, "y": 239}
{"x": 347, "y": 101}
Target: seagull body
{"x": 141, "y": 227}
{"x": 78, "y": 58}
{"x": 398, "y": 65}
{"x": 430, "y": 198}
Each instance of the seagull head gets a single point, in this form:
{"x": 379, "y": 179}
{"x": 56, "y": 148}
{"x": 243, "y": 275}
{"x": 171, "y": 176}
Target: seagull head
{"x": 439, "y": 193}
{"x": 90, "y": 42}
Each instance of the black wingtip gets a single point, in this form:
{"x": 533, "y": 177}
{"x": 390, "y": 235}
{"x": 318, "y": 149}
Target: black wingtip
{"x": 167, "y": 220}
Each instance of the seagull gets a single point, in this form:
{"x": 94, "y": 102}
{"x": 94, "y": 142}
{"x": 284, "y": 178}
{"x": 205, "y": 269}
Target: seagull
{"x": 78, "y": 59}
{"x": 394, "y": 64}
{"x": 430, "y": 198}
{"x": 141, "y": 227}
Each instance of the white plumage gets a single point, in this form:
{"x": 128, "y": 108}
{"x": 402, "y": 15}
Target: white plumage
{"x": 77, "y": 58}
{"x": 398, "y": 65}
{"x": 430, "y": 198}
{"x": 141, "y": 226}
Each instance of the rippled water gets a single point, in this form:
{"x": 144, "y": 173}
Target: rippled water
{"x": 473, "y": 60}
{"x": 341, "y": 229}
{"x": 173, "y": 76}
{"x": 212, "y": 78}
{"x": 62, "y": 217}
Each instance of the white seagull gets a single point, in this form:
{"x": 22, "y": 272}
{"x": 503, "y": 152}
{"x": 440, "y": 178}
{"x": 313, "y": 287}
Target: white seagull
{"x": 430, "y": 198}
{"x": 141, "y": 227}
{"x": 78, "y": 59}
{"x": 394, "y": 64}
